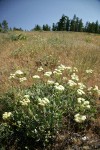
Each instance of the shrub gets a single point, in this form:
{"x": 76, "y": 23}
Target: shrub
{"x": 32, "y": 117}
{"x": 16, "y": 37}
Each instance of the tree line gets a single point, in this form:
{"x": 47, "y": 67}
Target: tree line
{"x": 67, "y": 24}
{"x": 64, "y": 24}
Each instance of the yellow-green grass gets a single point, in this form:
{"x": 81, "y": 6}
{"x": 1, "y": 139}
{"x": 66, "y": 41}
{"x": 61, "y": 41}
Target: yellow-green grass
{"x": 48, "y": 49}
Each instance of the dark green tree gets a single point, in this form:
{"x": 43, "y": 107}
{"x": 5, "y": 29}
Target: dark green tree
{"x": 37, "y": 28}
{"x": 5, "y": 26}
{"x": 80, "y": 26}
{"x": 0, "y": 27}
{"x": 46, "y": 27}
{"x": 54, "y": 27}
{"x": 62, "y": 23}
{"x": 97, "y": 27}
{"x": 67, "y": 23}
{"x": 73, "y": 23}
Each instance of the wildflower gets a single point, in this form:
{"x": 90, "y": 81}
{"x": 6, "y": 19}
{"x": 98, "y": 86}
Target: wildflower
{"x": 81, "y": 86}
{"x": 48, "y": 74}
{"x": 79, "y": 118}
{"x": 56, "y": 84}
{"x": 59, "y": 87}
{"x": 74, "y": 77}
{"x": 64, "y": 78}
{"x": 43, "y": 101}
{"x": 88, "y": 106}
{"x": 25, "y": 101}
{"x": 26, "y": 96}
{"x": 80, "y": 92}
{"x": 80, "y": 100}
{"x": 89, "y": 71}
{"x": 22, "y": 79}
{"x": 36, "y": 77}
{"x": 61, "y": 67}
{"x": 18, "y": 72}
{"x": 6, "y": 115}
{"x": 71, "y": 83}
{"x": 40, "y": 69}
{"x": 75, "y": 69}
{"x": 50, "y": 82}
{"x": 96, "y": 89}
{"x": 12, "y": 76}
{"x": 57, "y": 72}
{"x": 86, "y": 102}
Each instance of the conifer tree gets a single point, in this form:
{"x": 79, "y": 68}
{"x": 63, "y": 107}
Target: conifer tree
{"x": 5, "y": 26}
{"x": 0, "y": 27}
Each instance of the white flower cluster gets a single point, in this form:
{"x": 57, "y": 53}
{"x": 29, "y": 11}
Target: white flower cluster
{"x": 48, "y": 74}
{"x": 89, "y": 71}
{"x": 57, "y": 72}
{"x": 94, "y": 89}
{"x": 75, "y": 77}
{"x": 84, "y": 103}
{"x": 40, "y": 69}
{"x": 22, "y": 79}
{"x": 70, "y": 69}
{"x": 79, "y": 118}
{"x": 59, "y": 87}
{"x": 50, "y": 82}
{"x": 6, "y": 115}
{"x": 80, "y": 92}
{"x": 61, "y": 67}
{"x": 19, "y": 72}
{"x": 19, "y": 75}
{"x": 36, "y": 77}
{"x": 71, "y": 83}
{"x": 81, "y": 86}
{"x": 44, "y": 101}
{"x": 25, "y": 101}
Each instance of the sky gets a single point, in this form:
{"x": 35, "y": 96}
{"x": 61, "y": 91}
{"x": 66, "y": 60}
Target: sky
{"x": 27, "y": 13}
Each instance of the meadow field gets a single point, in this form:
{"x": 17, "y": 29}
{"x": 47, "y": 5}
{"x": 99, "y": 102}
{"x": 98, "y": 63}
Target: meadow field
{"x": 48, "y": 49}
{"x": 25, "y": 57}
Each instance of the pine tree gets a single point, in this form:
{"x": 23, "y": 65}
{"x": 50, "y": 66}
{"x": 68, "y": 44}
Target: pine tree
{"x": 67, "y": 23}
{"x": 62, "y": 23}
{"x": 0, "y": 27}
{"x": 80, "y": 25}
{"x": 37, "y": 28}
{"x": 5, "y": 26}
{"x": 54, "y": 27}
{"x": 97, "y": 27}
{"x": 46, "y": 27}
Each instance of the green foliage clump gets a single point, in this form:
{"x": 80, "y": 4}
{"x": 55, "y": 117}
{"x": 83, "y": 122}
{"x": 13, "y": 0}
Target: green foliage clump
{"x": 16, "y": 37}
{"x": 31, "y": 118}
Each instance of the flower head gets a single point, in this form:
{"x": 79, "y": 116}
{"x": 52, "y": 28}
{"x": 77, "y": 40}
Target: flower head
{"x": 80, "y": 92}
{"x": 50, "y": 82}
{"x": 6, "y": 115}
{"x": 40, "y": 69}
{"x": 71, "y": 83}
{"x": 89, "y": 71}
{"x": 74, "y": 77}
{"x": 79, "y": 118}
{"x": 22, "y": 79}
{"x": 48, "y": 74}
{"x": 44, "y": 101}
{"x": 59, "y": 87}
{"x": 36, "y": 77}
{"x": 18, "y": 72}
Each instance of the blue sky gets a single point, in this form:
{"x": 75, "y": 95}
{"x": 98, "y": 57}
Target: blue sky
{"x": 27, "y": 13}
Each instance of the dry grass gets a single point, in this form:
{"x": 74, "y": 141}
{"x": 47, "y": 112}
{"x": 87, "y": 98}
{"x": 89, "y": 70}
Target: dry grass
{"x": 48, "y": 49}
